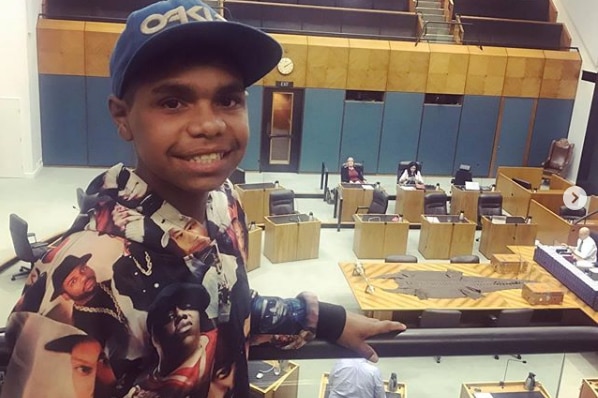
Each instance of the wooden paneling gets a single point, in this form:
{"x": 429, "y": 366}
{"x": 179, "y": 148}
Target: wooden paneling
{"x": 61, "y": 47}
{"x": 558, "y": 182}
{"x": 551, "y": 227}
{"x": 368, "y": 64}
{"x": 525, "y": 70}
{"x": 327, "y": 62}
{"x": 561, "y": 74}
{"x": 100, "y": 39}
{"x": 448, "y": 69}
{"x": 408, "y": 67}
{"x": 486, "y": 72}
{"x": 295, "y": 48}
{"x": 531, "y": 174}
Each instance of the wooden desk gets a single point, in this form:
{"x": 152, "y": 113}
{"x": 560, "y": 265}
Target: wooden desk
{"x": 516, "y": 199}
{"x": 589, "y": 388}
{"x": 254, "y": 249}
{"x": 553, "y": 228}
{"x": 383, "y": 304}
{"x": 496, "y": 237}
{"x": 401, "y": 388}
{"x": 466, "y": 200}
{"x": 291, "y": 238}
{"x": 377, "y": 236}
{"x": 531, "y": 174}
{"x": 285, "y": 385}
{"x": 353, "y": 196}
{"x": 468, "y": 390}
{"x": 255, "y": 199}
{"x": 446, "y": 237}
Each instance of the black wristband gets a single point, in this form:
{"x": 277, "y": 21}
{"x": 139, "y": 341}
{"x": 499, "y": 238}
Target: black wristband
{"x": 331, "y": 321}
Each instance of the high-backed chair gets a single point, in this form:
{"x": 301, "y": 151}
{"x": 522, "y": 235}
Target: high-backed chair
{"x": 282, "y": 201}
{"x": 570, "y": 214}
{"x": 378, "y": 205}
{"x": 25, "y": 243}
{"x": 462, "y": 175}
{"x": 465, "y": 259}
{"x": 435, "y": 203}
{"x": 512, "y": 318}
{"x": 436, "y": 318}
{"x": 400, "y": 258}
{"x": 489, "y": 204}
{"x": 559, "y": 157}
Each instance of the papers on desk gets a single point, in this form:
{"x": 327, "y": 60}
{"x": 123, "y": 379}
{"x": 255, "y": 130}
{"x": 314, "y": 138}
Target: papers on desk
{"x": 367, "y": 187}
{"x": 432, "y": 219}
{"x": 472, "y": 186}
{"x": 408, "y": 188}
{"x": 482, "y": 395}
{"x": 499, "y": 219}
{"x": 584, "y": 264}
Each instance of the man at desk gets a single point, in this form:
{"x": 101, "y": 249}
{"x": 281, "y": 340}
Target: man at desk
{"x": 351, "y": 172}
{"x": 586, "y": 246}
{"x": 355, "y": 378}
{"x": 412, "y": 175}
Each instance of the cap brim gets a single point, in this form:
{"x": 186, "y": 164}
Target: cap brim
{"x": 251, "y": 52}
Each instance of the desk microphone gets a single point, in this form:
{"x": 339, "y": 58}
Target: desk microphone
{"x": 504, "y": 376}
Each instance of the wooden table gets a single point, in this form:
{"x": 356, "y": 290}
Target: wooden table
{"x": 255, "y": 199}
{"x": 468, "y": 390}
{"x": 291, "y": 238}
{"x": 496, "y": 237}
{"x": 401, "y": 388}
{"x": 384, "y": 305}
{"x": 254, "y": 248}
{"x": 377, "y": 235}
{"x": 466, "y": 200}
{"x": 353, "y": 196}
{"x": 285, "y": 385}
{"x": 589, "y": 388}
{"x": 444, "y": 237}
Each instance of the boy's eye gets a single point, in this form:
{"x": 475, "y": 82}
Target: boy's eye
{"x": 231, "y": 101}
{"x": 171, "y": 103}
{"x": 84, "y": 370}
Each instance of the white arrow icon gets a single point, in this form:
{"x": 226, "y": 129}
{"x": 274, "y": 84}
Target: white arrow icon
{"x": 575, "y": 198}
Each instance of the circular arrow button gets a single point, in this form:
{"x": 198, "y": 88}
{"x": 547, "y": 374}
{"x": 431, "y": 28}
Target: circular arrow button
{"x": 575, "y": 198}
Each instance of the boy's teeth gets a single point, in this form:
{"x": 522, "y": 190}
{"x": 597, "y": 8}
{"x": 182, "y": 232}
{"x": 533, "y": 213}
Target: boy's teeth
{"x": 206, "y": 158}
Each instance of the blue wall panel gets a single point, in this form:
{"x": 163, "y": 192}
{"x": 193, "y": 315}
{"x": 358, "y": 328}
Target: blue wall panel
{"x": 104, "y": 145}
{"x": 62, "y": 107}
{"x": 476, "y": 133}
{"x": 438, "y": 138}
{"x": 516, "y": 116}
{"x": 254, "y": 108}
{"x": 322, "y": 125}
{"x": 400, "y": 129}
{"x": 362, "y": 123}
{"x": 553, "y": 117}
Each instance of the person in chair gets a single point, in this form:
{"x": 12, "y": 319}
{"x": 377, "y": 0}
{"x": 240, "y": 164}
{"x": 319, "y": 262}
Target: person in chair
{"x": 351, "y": 172}
{"x": 412, "y": 175}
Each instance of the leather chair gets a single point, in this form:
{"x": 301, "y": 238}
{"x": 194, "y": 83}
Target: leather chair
{"x": 465, "y": 259}
{"x": 559, "y": 157}
{"x": 400, "y": 258}
{"x": 435, "y": 203}
{"x": 282, "y": 201}
{"x": 462, "y": 175}
{"x": 25, "y": 243}
{"x": 512, "y": 318}
{"x": 489, "y": 204}
{"x": 440, "y": 319}
{"x": 378, "y": 205}
{"x": 570, "y": 214}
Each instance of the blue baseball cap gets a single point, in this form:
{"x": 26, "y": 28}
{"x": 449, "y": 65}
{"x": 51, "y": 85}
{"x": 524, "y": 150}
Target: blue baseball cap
{"x": 194, "y": 25}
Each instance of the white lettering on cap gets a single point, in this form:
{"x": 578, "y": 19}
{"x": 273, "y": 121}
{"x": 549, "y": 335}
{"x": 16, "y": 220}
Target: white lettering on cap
{"x": 156, "y": 22}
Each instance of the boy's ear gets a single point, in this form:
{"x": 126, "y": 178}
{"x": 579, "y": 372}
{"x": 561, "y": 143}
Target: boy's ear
{"x": 119, "y": 111}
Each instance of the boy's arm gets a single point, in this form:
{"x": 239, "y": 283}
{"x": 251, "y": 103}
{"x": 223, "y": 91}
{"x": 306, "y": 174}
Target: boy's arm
{"x": 290, "y": 323}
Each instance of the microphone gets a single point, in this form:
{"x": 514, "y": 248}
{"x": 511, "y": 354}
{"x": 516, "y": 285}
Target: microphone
{"x": 504, "y": 376}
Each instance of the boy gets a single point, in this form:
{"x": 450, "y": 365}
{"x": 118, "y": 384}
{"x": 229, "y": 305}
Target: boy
{"x": 179, "y": 73}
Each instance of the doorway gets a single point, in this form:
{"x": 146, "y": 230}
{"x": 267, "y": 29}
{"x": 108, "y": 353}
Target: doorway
{"x": 281, "y": 130}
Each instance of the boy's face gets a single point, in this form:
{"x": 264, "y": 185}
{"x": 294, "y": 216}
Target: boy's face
{"x": 189, "y": 128}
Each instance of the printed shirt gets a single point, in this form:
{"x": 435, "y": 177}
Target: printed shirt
{"x": 139, "y": 300}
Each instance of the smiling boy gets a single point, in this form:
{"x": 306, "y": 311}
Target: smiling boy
{"x": 179, "y": 74}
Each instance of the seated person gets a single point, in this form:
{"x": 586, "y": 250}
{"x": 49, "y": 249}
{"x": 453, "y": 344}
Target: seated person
{"x": 412, "y": 176}
{"x": 355, "y": 377}
{"x": 586, "y": 246}
{"x": 351, "y": 172}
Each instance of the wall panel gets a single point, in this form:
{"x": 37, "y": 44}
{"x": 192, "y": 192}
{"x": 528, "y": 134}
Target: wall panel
{"x": 551, "y": 122}
{"x": 62, "y": 104}
{"x": 476, "y": 133}
{"x": 438, "y": 138}
{"x": 400, "y": 129}
{"x": 254, "y": 108}
{"x": 515, "y": 120}
{"x": 362, "y": 122}
{"x": 322, "y": 125}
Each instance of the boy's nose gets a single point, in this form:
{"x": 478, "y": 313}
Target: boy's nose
{"x": 206, "y": 123}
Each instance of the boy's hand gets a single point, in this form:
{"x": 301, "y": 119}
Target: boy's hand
{"x": 358, "y": 328}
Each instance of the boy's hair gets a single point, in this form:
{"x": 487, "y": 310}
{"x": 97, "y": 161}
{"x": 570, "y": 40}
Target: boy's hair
{"x": 168, "y": 27}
